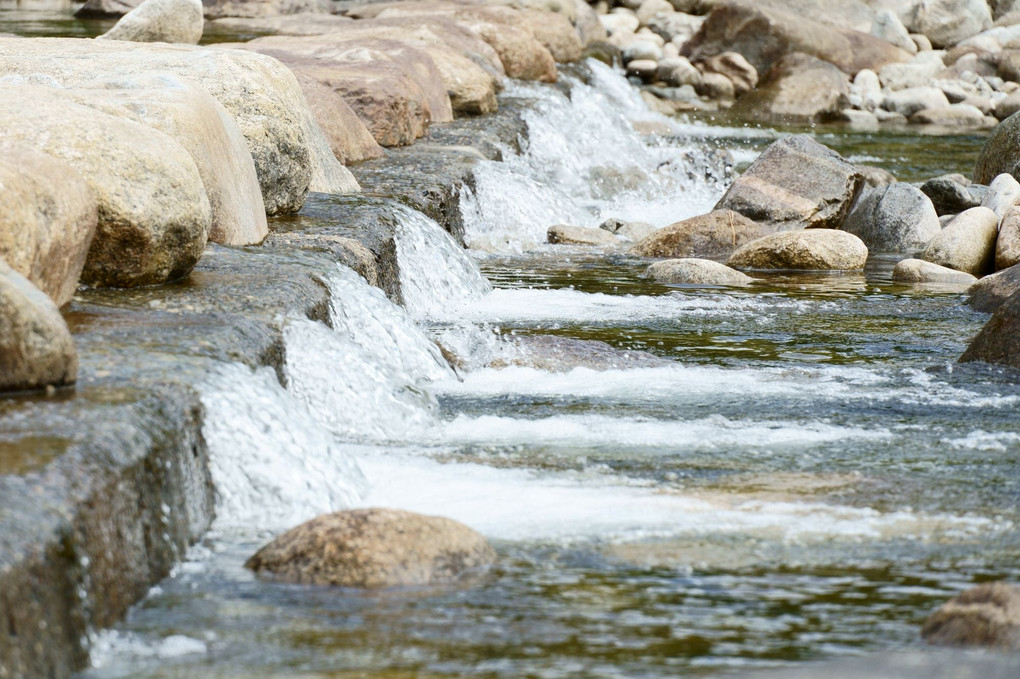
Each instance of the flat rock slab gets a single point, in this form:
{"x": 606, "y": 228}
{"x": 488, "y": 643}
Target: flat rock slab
{"x": 810, "y": 250}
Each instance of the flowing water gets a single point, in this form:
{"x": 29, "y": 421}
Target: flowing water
{"x": 794, "y": 471}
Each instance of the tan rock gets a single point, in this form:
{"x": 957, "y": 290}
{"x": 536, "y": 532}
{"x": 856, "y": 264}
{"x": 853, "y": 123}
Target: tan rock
{"x": 809, "y": 250}
{"x": 48, "y": 220}
{"x": 374, "y": 548}
{"x": 986, "y": 615}
{"x": 160, "y": 21}
{"x": 349, "y": 139}
{"x": 1007, "y": 245}
{"x": 989, "y": 293}
{"x": 967, "y": 243}
{"x": 920, "y": 271}
{"x": 798, "y": 88}
{"x": 734, "y": 66}
{"x": 36, "y": 349}
{"x": 716, "y": 234}
{"x": 696, "y": 272}
{"x": 565, "y": 234}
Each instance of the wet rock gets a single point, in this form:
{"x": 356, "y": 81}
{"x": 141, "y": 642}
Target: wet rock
{"x": 632, "y": 231}
{"x": 734, "y": 66}
{"x": 795, "y": 183}
{"x": 893, "y": 218}
{"x": 799, "y": 88}
{"x": 160, "y": 21}
{"x": 1003, "y": 195}
{"x": 967, "y": 243}
{"x": 48, "y": 220}
{"x": 947, "y": 22}
{"x": 954, "y": 115}
{"x": 887, "y": 26}
{"x": 553, "y": 353}
{"x": 807, "y": 250}
{"x": 565, "y": 234}
{"x": 763, "y": 35}
{"x": 374, "y": 548}
{"x": 696, "y": 272}
{"x": 36, "y": 349}
{"x": 154, "y": 216}
{"x": 716, "y": 234}
{"x": 920, "y": 271}
{"x": 986, "y": 615}
{"x": 950, "y": 194}
{"x": 911, "y": 100}
{"x": 675, "y": 27}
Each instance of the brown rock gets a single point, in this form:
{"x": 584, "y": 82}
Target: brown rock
{"x": 349, "y": 139}
{"x": 692, "y": 271}
{"x": 734, "y": 66}
{"x": 987, "y": 615}
{"x": 989, "y": 293}
{"x": 808, "y": 250}
{"x": 967, "y": 243}
{"x": 799, "y": 88}
{"x": 716, "y": 234}
{"x": 48, "y": 220}
{"x": 1007, "y": 245}
{"x": 920, "y": 271}
{"x": 374, "y": 548}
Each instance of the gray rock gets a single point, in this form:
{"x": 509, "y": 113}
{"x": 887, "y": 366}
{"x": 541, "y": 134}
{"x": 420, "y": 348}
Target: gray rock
{"x": 954, "y": 115}
{"x": 635, "y": 231}
{"x": 734, "y": 66}
{"x": 869, "y": 88}
{"x": 795, "y": 183}
{"x": 1003, "y": 195}
{"x": 717, "y": 87}
{"x": 716, "y": 234}
{"x": 920, "y": 271}
{"x": 890, "y": 117}
{"x": 967, "y": 243}
{"x": 918, "y": 72}
{"x": 859, "y": 121}
{"x": 893, "y": 218}
{"x": 177, "y": 21}
{"x": 374, "y": 548}
{"x": 799, "y": 88}
{"x": 565, "y": 234}
{"x": 947, "y": 22}
{"x": 1007, "y": 245}
{"x": 986, "y": 615}
{"x": 677, "y": 72}
{"x": 876, "y": 176}
{"x": 696, "y": 272}
{"x": 642, "y": 50}
{"x": 36, "y": 349}
{"x": 909, "y": 101}
{"x": 1001, "y": 152}
{"x": 887, "y": 26}
{"x": 1007, "y": 106}
{"x": 950, "y": 194}
{"x": 808, "y": 250}
{"x": 989, "y": 293}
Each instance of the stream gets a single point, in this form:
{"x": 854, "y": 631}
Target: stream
{"x": 761, "y": 477}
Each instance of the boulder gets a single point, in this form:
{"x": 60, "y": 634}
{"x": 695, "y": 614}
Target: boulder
{"x": 876, "y": 176}
{"x": 645, "y": 69}
{"x": 1007, "y": 245}
{"x": 967, "y": 243}
{"x": 853, "y": 14}
{"x": 799, "y": 88}
{"x": 734, "y": 66}
{"x": 374, "y": 548}
{"x": 861, "y": 121}
{"x": 989, "y": 293}
{"x": 565, "y": 234}
{"x": 716, "y": 234}
{"x": 696, "y": 272}
{"x": 947, "y": 22}
{"x": 1008, "y": 105}
{"x": 630, "y": 231}
{"x": 677, "y": 72}
{"x": 920, "y": 271}
{"x": 763, "y": 35}
{"x": 154, "y": 216}
{"x": 950, "y": 194}
{"x": 349, "y": 139}
{"x": 1001, "y": 152}
{"x": 986, "y": 615}
{"x": 160, "y": 21}
{"x": 868, "y": 88}
{"x": 717, "y": 87}
{"x": 913, "y": 99}
{"x": 954, "y": 115}
{"x": 893, "y": 218}
{"x": 36, "y": 349}
{"x": 290, "y": 152}
{"x": 918, "y": 72}
{"x": 1003, "y": 195}
{"x": 808, "y": 250}
{"x": 48, "y": 220}
{"x": 795, "y": 183}
{"x": 887, "y": 26}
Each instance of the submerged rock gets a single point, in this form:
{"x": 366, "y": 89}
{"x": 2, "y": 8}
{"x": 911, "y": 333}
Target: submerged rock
{"x": 160, "y": 21}
{"x": 553, "y": 353}
{"x": 374, "y": 548}
{"x": 716, "y": 234}
{"x": 920, "y": 271}
{"x": 967, "y": 243}
{"x": 808, "y": 250}
{"x": 987, "y": 615}
{"x": 696, "y": 272}
{"x": 893, "y": 218}
{"x": 565, "y": 234}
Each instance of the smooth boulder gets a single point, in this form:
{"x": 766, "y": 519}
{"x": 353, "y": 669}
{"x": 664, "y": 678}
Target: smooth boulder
{"x": 795, "y": 183}
{"x": 947, "y": 22}
{"x": 1007, "y": 245}
{"x": 716, "y": 234}
{"x": 893, "y": 218}
{"x": 48, "y": 220}
{"x": 967, "y": 243}
{"x": 696, "y": 272}
{"x": 799, "y": 88}
{"x": 373, "y": 548}
{"x": 1001, "y": 152}
{"x": 920, "y": 271}
{"x": 808, "y": 250}
{"x": 987, "y": 615}
{"x": 177, "y": 21}
{"x": 36, "y": 349}
{"x": 950, "y": 194}
{"x": 566, "y": 234}
{"x": 1003, "y": 195}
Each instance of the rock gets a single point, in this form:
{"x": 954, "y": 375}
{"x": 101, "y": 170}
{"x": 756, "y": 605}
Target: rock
{"x": 641, "y": 50}
{"x": 630, "y": 231}
{"x": 763, "y": 35}
{"x": 1001, "y": 152}
{"x": 160, "y": 21}
{"x": 288, "y": 147}
{"x": 1007, "y": 106}
{"x": 795, "y": 183}
{"x": 967, "y": 243}
{"x": 808, "y": 250}
{"x": 48, "y": 220}
{"x": 911, "y": 100}
{"x": 887, "y": 26}
{"x": 36, "y": 349}
{"x": 349, "y": 139}
{"x": 918, "y": 72}
{"x": 565, "y": 234}
{"x": 876, "y": 176}
{"x": 861, "y": 121}
{"x": 734, "y": 66}
{"x": 893, "y": 218}
{"x": 920, "y": 271}
{"x": 954, "y": 115}
{"x": 986, "y": 615}
{"x": 889, "y": 117}
{"x": 869, "y": 88}
{"x": 696, "y": 272}
{"x": 646, "y": 69}
{"x": 154, "y": 216}
{"x": 650, "y": 8}
{"x": 675, "y": 27}
{"x": 677, "y": 72}
{"x": 989, "y": 293}
{"x": 619, "y": 23}
{"x": 374, "y": 548}
{"x": 716, "y": 234}
{"x": 1007, "y": 245}
{"x": 950, "y": 194}
{"x": 1003, "y": 195}
{"x": 799, "y": 88}
{"x": 922, "y": 42}
{"x": 998, "y": 342}
{"x": 947, "y": 22}
{"x": 717, "y": 87}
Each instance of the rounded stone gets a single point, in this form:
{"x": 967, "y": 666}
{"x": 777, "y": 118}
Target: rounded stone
{"x": 716, "y": 234}
{"x": 696, "y": 272}
{"x": 893, "y": 218}
{"x": 987, "y": 615}
{"x": 565, "y": 234}
{"x": 808, "y": 250}
{"x": 920, "y": 271}
{"x": 967, "y": 243}
{"x": 175, "y": 21}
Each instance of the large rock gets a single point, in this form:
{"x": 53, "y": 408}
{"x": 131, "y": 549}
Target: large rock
{"x": 986, "y": 615}
{"x": 1007, "y": 245}
{"x": 290, "y": 152}
{"x": 1003, "y": 195}
{"x": 716, "y": 234}
{"x": 374, "y": 548}
{"x": 696, "y": 272}
{"x": 735, "y": 67}
{"x": 154, "y": 216}
{"x": 795, "y": 183}
{"x": 36, "y": 349}
{"x": 954, "y": 116}
{"x": 893, "y": 218}
{"x": 999, "y": 340}
{"x": 566, "y": 234}
{"x": 799, "y": 88}
{"x": 160, "y": 21}
{"x": 920, "y": 271}
{"x": 349, "y": 139}
{"x": 967, "y": 243}
{"x": 950, "y": 194}
{"x": 809, "y": 250}
{"x": 48, "y": 220}
{"x": 764, "y": 35}
{"x": 887, "y": 26}
{"x": 989, "y": 293}
{"x": 947, "y": 22}
{"x": 213, "y": 9}
{"x": 1001, "y": 152}
{"x": 913, "y": 99}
